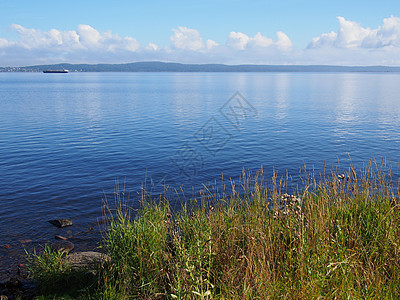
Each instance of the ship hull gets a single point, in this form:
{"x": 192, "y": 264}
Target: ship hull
{"x": 55, "y": 71}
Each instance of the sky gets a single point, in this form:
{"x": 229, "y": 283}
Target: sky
{"x": 208, "y": 31}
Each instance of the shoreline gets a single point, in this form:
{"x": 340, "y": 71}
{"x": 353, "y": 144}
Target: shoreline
{"x": 13, "y": 255}
{"x": 279, "y": 244}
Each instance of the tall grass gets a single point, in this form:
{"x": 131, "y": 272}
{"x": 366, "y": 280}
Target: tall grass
{"x": 56, "y": 278}
{"x": 337, "y": 238}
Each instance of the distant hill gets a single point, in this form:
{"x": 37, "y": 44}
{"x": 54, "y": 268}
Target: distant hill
{"x": 177, "y": 67}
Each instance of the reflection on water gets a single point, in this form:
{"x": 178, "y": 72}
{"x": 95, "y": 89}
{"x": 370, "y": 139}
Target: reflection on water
{"x": 347, "y": 99}
{"x": 347, "y": 107}
{"x": 282, "y": 95}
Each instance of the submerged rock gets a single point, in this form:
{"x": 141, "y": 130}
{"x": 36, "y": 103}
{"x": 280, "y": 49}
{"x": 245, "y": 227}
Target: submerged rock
{"x": 63, "y": 246}
{"x": 61, "y": 222}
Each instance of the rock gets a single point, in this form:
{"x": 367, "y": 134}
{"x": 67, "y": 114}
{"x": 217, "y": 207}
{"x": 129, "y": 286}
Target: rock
{"x": 59, "y": 237}
{"x": 61, "y": 222}
{"x": 63, "y": 246}
{"x": 86, "y": 260}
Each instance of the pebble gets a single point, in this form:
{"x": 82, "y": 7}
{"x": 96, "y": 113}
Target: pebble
{"x": 61, "y": 222}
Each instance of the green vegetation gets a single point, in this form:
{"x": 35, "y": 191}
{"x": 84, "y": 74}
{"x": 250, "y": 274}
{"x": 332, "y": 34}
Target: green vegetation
{"x": 338, "y": 238}
{"x": 56, "y": 277}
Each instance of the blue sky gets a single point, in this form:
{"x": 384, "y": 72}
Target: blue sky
{"x": 238, "y": 31}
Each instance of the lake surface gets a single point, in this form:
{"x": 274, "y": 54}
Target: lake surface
{"x": 65, "y": 139}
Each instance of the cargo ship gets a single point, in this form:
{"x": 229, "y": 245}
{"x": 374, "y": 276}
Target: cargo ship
{"x": 55, "y": 71}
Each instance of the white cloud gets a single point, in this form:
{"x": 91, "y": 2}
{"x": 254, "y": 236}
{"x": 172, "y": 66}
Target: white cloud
{"x": 152, "y": 47}
{"x": 241, "y": 41}
{"x": 190, "y": 39}
{"x": 186, "y": 39}
{"x": 130, "y": 44}
{"x": 351, "y": 44}
{"x": 353, "y": 35}
{"x": 3, "y": 43}
{"x": 261, "y": 41}
{"x": 84, "y": 45}
{"x": 283, "y": 42}
{"x": 388, "y": 34}
{"x": 211, "y": 44}
{"x": 237, "y": 40}
{"x": 325, "y": 39}
{"x": 88, "y": 36}
{"x": 85, "y": 37}
{"x": 37, "y": 39}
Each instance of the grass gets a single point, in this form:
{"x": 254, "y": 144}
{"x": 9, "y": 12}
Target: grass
{"x": 56, "y": 278}
{"x": 337, "y": 238}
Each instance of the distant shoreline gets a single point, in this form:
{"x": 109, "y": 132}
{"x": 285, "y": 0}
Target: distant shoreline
{"x": 211, "y": 68}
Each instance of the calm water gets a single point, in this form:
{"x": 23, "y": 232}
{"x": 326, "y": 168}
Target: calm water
{"x": 66, "y": 138}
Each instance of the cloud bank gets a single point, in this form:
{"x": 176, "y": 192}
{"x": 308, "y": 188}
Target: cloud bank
{"x": 351, "y": 44}
{"x": 352, "y": 35}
